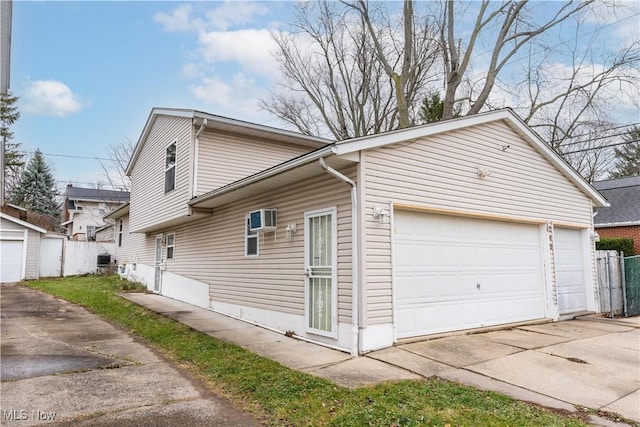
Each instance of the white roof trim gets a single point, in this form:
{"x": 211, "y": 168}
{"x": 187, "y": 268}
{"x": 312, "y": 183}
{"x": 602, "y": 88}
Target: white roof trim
{"x": 373, "y": 141}
{"x": 211, "y": 118}
{"x": 22, "y": 223}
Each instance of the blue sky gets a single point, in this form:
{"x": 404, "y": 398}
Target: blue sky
{"x": 88, "y": 73}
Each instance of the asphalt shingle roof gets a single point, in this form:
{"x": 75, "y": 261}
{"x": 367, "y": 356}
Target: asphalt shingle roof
{"x": 77, "y": 193}
{"x": 624, "y": 196}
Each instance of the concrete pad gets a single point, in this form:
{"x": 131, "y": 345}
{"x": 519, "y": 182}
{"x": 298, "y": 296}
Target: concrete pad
{"x": 362, "y": 371}
{"x": 464, "y": 376}
{"x": 527, "y": 340}
{"x": 576, "y": 383}
{"x": 603, "y": 326}
{"x": 460, "y": 351}
{"x": 633, "y": 322}
{"x": 572, "y": 329}
{"x": 628, "y": 340}
{"x": 628, "y": 406}
{"x": 410, "y": 361}
{"x": 73, "y": 395}
{"x": 619, "y": 361}
{"x": 198, "y": 412}
{"x": 252, "y": 335}
{"x": 297, "y": 354}
{"x": 122, "y": 349}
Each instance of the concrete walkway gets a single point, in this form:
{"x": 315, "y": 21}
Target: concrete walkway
{"x": 592, "y": 362}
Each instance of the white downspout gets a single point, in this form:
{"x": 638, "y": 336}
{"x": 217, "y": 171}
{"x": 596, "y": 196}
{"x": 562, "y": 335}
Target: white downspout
{"x": 195, "y": 158}
{"x": 354, "y": 255}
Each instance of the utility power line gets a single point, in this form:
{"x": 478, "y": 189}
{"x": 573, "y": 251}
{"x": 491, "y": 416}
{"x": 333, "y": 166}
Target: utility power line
{"x": 601, "y": 148}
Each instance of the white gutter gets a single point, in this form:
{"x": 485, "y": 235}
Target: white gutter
{"x": 195, "y": 158}
{"x": 354, "y": 254}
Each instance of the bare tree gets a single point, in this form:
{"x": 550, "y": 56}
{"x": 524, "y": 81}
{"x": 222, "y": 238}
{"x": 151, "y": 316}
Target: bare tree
{"x": 514, "y": 31}
{"x": 115, "y": 171}
{"x": 351, "y": 70}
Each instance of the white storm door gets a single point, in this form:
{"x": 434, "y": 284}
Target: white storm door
{"x": 572, "y": 297}
{"x": 158, "y": 272}
{"x": 320, "y": 269}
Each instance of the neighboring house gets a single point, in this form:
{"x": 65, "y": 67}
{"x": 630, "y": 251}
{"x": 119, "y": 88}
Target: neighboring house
{"x": 105, "y": 233}
{"x": 622, "y": 218}
{"x": 19, "y": 249}
{"x": 357, "y": 244}
{"x": 85, "y": 208}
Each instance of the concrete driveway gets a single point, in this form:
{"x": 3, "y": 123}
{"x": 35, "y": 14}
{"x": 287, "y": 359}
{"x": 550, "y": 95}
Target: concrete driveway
{"x": 64, "y": 365}
{"x": 592, "y": 362}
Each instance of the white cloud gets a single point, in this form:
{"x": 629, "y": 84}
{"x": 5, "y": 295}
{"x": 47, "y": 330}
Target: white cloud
{"x": 180, "y": 20}
{"x": 236, "y": 97}
{"x": 50, "y": 98}
{"x": 234, "y": 13}
{"x": 251, "y": 49}
{"x": 230, "y": 13}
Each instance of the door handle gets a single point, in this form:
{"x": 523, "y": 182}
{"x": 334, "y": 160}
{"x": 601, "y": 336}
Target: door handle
{"x": 307, "y": 271}
{"x": 478, "y": 286}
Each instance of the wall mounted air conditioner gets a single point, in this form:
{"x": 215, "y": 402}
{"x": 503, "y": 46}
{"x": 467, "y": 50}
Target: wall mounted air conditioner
{"x": 263, "y": 220}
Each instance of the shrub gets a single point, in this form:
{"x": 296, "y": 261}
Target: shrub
{"x": 620, "y": 244}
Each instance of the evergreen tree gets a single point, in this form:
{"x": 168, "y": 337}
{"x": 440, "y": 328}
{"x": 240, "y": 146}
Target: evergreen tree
{"x": 628, "y": 155}
{"x": 432, "y": 108}
{"x": 14, "y": 159}
{"x": 36, "y": 188}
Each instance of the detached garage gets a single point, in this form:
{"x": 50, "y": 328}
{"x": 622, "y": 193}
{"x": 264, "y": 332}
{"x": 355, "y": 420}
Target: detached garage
{"x": 470, "y": 223}
{"x": 19, "y": 249}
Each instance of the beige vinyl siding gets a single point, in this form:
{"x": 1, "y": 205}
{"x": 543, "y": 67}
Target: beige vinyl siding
{"x": 212, "y": 250}
{"x": 136, "y": 247}
{"x": 33, "y": 255}
{"x": 441, "y": 172}
{"x": 225, "y": 158}
{"x": 149, "y": 203}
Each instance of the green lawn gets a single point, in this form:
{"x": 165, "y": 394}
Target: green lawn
{"x": 277, "y": 395}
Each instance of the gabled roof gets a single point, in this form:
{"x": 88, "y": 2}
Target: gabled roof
{"x": 94, "y": 194}
{"x": 9, "y": 218}
{"x": 225, "y": 124}
{"x": 341, "y": 153}
{"x": 624, "y": 196}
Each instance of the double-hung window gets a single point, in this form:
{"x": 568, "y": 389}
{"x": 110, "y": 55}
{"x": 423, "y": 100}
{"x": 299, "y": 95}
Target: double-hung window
{"x": 170, "y": 168}
{"x": 252, "y": 240}
{"x": 171, "y": 244}
{"x": 120, "y": 234}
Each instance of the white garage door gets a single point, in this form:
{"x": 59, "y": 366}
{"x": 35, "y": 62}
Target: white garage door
{"x": 568, "y": 246}
{"x": 10, "y": 260}
{"x": 454, "y": 273}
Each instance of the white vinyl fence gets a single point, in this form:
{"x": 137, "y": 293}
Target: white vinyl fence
{"x": 82, "y": 257}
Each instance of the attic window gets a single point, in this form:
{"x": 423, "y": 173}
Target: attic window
{"x": 170, "y": 168}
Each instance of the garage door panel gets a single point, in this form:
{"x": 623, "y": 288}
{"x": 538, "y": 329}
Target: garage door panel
{"x": 11, "y": 260}
{"x": 570, "y": 272}
{"x": 440, "y": 261}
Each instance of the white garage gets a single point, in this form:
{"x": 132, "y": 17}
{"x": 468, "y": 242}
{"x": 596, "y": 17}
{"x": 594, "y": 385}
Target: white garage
{"x": 453, "y": 273}
{"x": 570, "y": 270}
{"x": 19, "y": 249}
